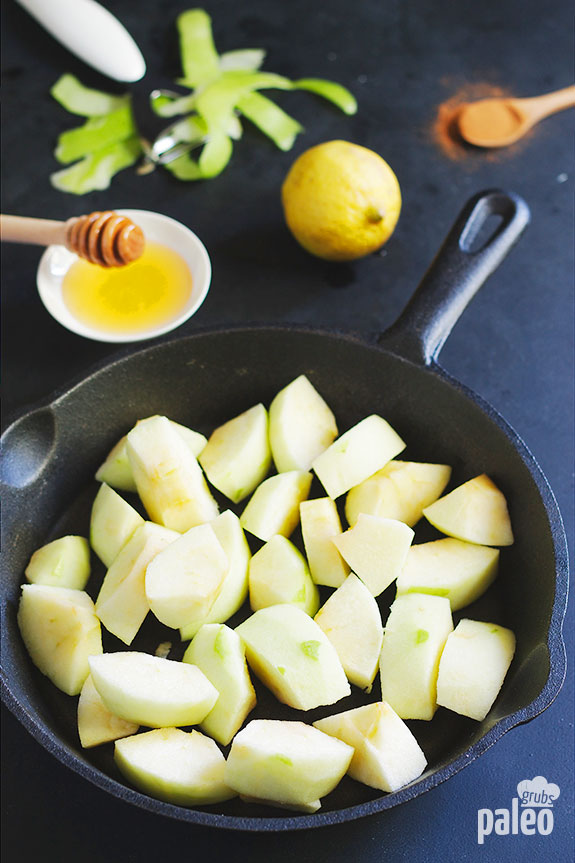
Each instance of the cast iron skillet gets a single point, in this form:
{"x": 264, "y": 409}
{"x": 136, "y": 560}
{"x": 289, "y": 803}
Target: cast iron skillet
{"x": 51, "y": 453}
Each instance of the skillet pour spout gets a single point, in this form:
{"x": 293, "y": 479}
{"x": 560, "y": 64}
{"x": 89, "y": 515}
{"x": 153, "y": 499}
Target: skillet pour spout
{"x": 201, "y": 380}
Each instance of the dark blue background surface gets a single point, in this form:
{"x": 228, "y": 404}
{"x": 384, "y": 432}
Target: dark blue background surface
{"x": 514, "y": 345}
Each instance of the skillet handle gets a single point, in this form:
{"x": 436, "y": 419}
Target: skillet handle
{"x": 456, "y": 274}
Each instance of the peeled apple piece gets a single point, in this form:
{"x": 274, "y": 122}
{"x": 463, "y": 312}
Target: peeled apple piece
{"x": 473, "y": 665}
{"x": 64, "y": 562}
{"x": 386, "y": 754}
{"x": 152, "y": 691}
{"x": 195, "y": 440}
{"x": 306, "y": 808}
{"x": 375, "y": 549}
{"x": 237, "y": 456}
{"x": 183, "y": 768}
{"x": 351, "y": 620}
{"x": 96, "y": 725}
{"x": 301, "y": 425}
{"x": 168, "y": 477}
{"x": 474, "y": 512}
{"x": 122, "y": 604}
{"x": 113, "y": 522}
{"x": 357, "y": 454}
{"x": 320, "y": 524}
{"x": 461, "y": 571}
{"x": 61, "y": 632}
{"x": 116, "y": 470}
{"x": 278, "y": 573}
{"x": 183, "y": 581}
{"x": 286, "y": 763}
{"x": 218, "y": 651}
{"x": 414, "y": 637}
{"x": 274, "y": 506}
{"x": 400, "y": 490}
{"x": 293, "y": 657}
{"x": 234, "y": 589}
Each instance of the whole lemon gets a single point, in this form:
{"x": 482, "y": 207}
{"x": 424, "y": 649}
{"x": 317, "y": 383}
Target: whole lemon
{"x": 341, "y": 201}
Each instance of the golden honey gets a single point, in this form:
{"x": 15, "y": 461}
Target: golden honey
{"x": 140, "y": 297}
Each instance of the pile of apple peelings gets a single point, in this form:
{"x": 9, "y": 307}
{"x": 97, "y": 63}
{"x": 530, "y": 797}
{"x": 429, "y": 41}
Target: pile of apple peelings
{"x": 193, "y": 568}
{"x": 224, "y": 88}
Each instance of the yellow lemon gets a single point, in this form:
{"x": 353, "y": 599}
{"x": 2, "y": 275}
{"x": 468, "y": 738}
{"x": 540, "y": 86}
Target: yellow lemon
{"x": 341, "y": 201}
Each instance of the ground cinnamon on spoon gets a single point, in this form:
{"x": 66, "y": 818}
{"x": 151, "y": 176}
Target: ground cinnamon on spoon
{"x": 446, "y": 131}
{"x": 491, "y": 121}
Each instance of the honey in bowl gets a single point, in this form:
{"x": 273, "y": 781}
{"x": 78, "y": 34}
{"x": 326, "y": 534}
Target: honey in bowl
{"x": 140, "y": 297}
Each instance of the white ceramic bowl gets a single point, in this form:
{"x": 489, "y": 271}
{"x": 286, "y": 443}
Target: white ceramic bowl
{"x": 57, "y": 260}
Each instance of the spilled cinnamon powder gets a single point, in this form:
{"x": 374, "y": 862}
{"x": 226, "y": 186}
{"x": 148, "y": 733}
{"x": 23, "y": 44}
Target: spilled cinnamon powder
{"x": 445, "y": 127}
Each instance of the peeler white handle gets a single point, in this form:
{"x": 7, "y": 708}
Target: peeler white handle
{"x": 92, "y": 33}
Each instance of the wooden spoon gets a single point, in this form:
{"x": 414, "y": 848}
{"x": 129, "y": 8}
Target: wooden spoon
{"x": 106, "y": 239}
{"x": 499, "y": 122}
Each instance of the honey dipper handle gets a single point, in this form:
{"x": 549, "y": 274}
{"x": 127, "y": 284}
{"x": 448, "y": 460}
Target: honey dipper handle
{"x": 106, "y": 239}
{"x": 40, "y": 232}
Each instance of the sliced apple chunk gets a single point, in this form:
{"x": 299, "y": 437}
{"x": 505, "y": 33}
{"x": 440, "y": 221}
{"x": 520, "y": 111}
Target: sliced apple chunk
{"x": 400, "y": 490}
{"x": 473, "y": 665}
{"x": 351, "y": 620}
{"x": 218, "y": 651}
{"x": 376, "y": 549}
{"x": 234, "y": 590}
{"x": 286, "y": 763}
{"x": 386, "y": 754}
{"x": 168, "y": 477}
{"x": 357, "y": 454}
{"x": 61, "y": 632}
{"x": 461, "y": 571}
{"x": 180, "y": 767}
{"x": 474, "y": 512}
{"x": 184, "y": 579}
{"x": 64, "y": 562}
{"x": 152, "y": 691}
{"x": 195, "y": 440}
{"x": 237, "y": 457}
{"x": 414, "y": 637}
{"x": 320, "y": 523}
{"x": 116, "y": 470}
{"x": 96, "y": 725}
{"x": 274, "y": 506}
{"x": 293, "y": 657}
{"x": 301, "y": 425}
{"x": 122, "y": 604}
{"x": 112, "y": 523}
{"x": 278, "y": 573}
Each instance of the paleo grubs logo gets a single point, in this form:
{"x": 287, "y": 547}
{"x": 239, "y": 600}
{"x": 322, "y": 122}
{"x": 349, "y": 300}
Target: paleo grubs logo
{"x": 537, "y": 792}
{"x": 531, "y": 812}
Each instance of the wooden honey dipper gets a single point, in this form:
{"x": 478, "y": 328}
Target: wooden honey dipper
{"x": 107, "y": 238}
